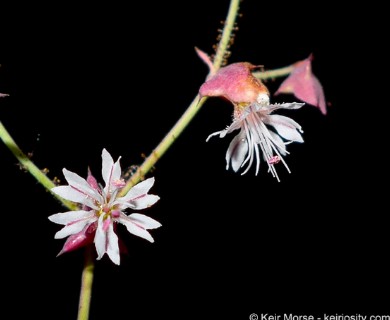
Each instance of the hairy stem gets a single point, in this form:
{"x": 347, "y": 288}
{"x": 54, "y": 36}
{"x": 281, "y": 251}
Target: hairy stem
{"x": 224, "y": 43}
{"x": 272, "y": 74}
{"x": 28, "y": 165}
{"x": 193, "y": 108}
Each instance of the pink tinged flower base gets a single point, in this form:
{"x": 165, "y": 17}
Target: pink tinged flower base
{"x": 235, "y": 83}
{"x": 102, "y": 209}
{"x": 304, "y": 85}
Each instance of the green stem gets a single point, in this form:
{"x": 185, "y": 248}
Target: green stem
{"x": 163, "y": 146}
{"x": 224, "y": 43}
{"x": 86, "y": 284}
{"x": 191, "y": 111}
{"x": 28, "y": 165}
{"x": 87, "y": 275}
{"x": 272, "y": 74}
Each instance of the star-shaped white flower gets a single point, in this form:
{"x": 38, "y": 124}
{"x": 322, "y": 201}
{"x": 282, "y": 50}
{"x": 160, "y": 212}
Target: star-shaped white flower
{"x": 102, "y": 207}
{"x": 255, "y": 138}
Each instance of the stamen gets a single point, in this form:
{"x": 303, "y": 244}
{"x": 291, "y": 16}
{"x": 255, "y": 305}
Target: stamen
{"x": 120, "y": 183}
{"x": 274, "y": 160}
{"x": 276, "y": 150}
{"x": 115, "y": 214}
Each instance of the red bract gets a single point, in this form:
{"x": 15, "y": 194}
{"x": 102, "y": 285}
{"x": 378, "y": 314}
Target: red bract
{"x": 206, "y": 59}
{"x": 80, "y": 239}
{"x": 304, "y": 85}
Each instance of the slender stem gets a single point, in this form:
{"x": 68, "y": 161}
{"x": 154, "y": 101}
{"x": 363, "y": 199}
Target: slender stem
{"x": 225, "y": 41}
{"x": 163, "y": 146}
{"x": 28, "y": 165}
{"x": 276, "y": 73}
{"x": 86, "y": 284}
{"x": 87, "y": 275}
{"x": 193, "y": 108}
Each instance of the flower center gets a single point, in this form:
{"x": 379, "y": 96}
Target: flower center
{"x": 105, "y": 210}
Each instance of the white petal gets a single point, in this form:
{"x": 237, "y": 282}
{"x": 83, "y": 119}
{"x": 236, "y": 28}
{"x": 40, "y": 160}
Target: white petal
{"x": 237, "y": 124}
{"x": 116, "y": 171}
{"x": 278, "y": 142}
{"x": 237, "y": 151}
{"x": 138, "y": 190}
{"x": 234, "y": 126}
{"x": 112, "y": 245}
{"x": 111, "y": 171}
{"x": 291, "y": 106}
{"x": 100, "y": 239}
{"x": 144, "y": 221}
{"x": 72, "y": 229}
{"x": 288, "y": 122}
{"x": 286, "y": 127}
{"x": 70, "y": 216}
{"x": 69, "y": 193}
{"x": 80, "y": 184}
{"x": 215, "y": 134}
{"x": 134, "y": 228}
{"x": 107, "y": 165}
{"x": 145, "y": 201}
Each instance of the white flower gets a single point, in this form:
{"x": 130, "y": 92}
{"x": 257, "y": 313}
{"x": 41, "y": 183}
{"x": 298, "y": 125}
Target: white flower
{"x": 102, "y": 207}
{"x": 256, "y": 139}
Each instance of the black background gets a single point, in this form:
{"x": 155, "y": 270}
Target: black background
{"x": 83, "y": 78}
